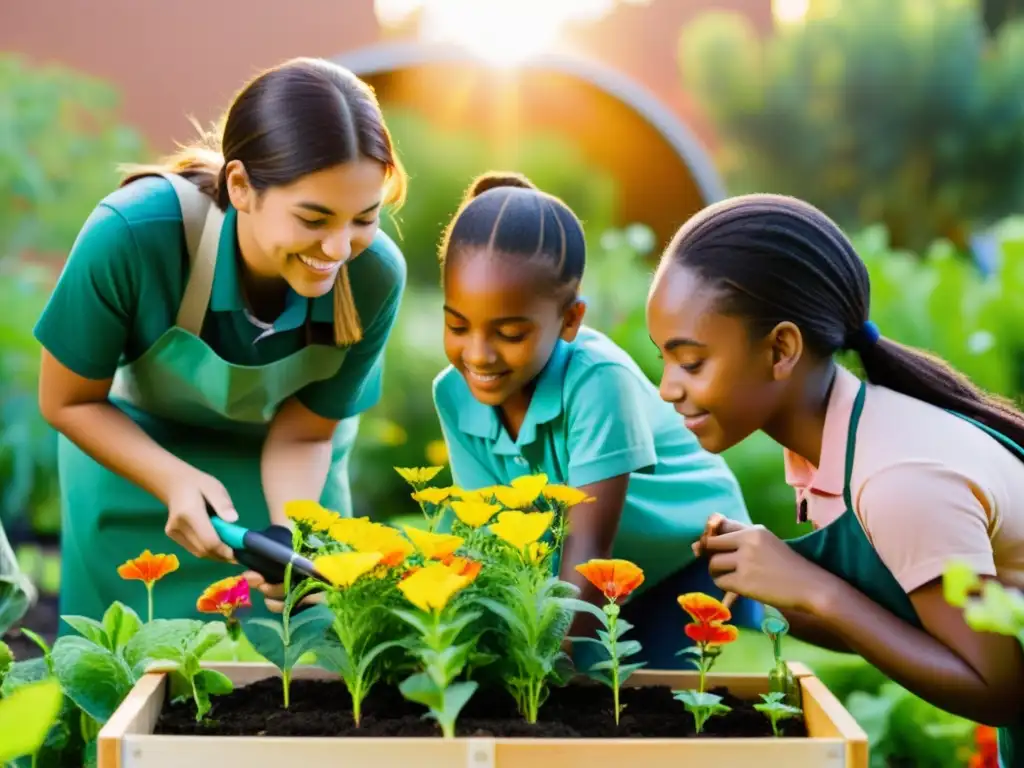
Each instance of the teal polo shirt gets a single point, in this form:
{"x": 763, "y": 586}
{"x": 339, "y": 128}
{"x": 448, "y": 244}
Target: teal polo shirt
{"x": 594, "y": 415}
{"x": 124, "y": 279}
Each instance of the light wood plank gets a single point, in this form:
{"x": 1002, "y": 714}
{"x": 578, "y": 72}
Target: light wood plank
{"x": 137, "y": 714}
{"x": 826, "y": 717}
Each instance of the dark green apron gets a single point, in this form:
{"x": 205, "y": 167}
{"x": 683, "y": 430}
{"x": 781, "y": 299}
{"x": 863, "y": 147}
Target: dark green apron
{"x": 843, "y": 549}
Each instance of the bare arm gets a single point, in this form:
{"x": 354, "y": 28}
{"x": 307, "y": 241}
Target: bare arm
{"x": 975, "y": 675}
{"x": 296, "y": 457}
{"x": 810, "y": 629}
{"x": 80, "y": 409}
{"x": 592, "y": 529}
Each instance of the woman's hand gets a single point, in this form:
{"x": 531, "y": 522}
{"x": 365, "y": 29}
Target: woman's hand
{"x": 753, "y": 562}
{"x": 188, "y": 521}
{"x": 273, "y": 594}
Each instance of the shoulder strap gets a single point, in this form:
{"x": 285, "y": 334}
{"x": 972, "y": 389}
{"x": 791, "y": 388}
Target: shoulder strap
{"x": 993, "y": 433}
{"x": 202, "y": 221}
{"x": 851, "y": 443}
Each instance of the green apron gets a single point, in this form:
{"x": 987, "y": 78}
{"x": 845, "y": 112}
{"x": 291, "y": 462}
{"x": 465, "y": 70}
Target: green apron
{"x": 212, "y": 414}
{"x": 842, "y": 548}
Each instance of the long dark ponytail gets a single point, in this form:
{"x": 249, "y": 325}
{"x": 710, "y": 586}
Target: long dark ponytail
{"x": 773, "y": 258}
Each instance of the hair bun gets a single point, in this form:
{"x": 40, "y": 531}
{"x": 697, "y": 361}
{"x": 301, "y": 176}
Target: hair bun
{"x": 495, "y": 179}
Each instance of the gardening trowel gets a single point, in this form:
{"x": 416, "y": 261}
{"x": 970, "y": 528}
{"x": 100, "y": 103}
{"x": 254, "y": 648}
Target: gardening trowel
{"x": 267, "y": 552}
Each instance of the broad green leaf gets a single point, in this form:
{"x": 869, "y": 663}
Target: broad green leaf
{"x": 26, "y": 717}
{"x": 122, "y": 623}
{"x": 210, "y": 635}
{"x": 90, "y": 629}
{"x": 267, "y": 637}
{"x": 416, "y": 620}
{"x": 22, "y": 673}
{"x": 628, "y": 648}
{"x": 16, "y": 596}
{"x": 214, "y": 682}
{"x": 93, "y": 677}
{"x": 160, "y": 639}
{"x": 456, "y": 696}
{"x": 368, "y": 658}
{"x": 421, "y": 689}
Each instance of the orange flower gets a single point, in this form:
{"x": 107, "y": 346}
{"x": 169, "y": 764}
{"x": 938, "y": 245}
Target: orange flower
{"x": 615, "y": 578}
{"x": 148, "y": 568}
{"x": 704, "y": 609}
{"x": 225, "y": 596}
{"x": 713, "y": 633}
{"x": 987, "y": 754}
{"x": 463, "y": 566}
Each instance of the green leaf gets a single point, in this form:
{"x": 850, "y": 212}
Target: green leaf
{"x": 22, "y": 673}
{"x": 575, "y": 604}
{"x": 26, "y": 717}
{"x": 206, "y": 638}
{"x": 416, "y": 620}
{"x": 158, "y": 640}
{"x": 39, "y": 640}
{"x": 371, "y": 656}
{"x": 17, "y": 593}
{"x": 456, "y": 696}
{"x": 628, "y": 648}
{"x": 90, "y": 629}
{"x": 6, "y": 661}
{"x": 267, "y": 638}
{"x": 214, "y": 682}
{"x": 515, "y": 624}
{"x": 121, "y": 624}
{"x": 92, "y": 677}
{"x": 308, "y": 632}
{"x": 333, "y": 657}
{"x": 421, "y": 689}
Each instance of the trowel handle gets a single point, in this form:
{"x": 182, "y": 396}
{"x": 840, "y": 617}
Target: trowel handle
{"x": 230, "y": 533}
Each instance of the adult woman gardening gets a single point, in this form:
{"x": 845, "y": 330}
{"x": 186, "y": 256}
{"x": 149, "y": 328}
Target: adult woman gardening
{"x": 217, "y": 329}
{"x": 899, "y": 474}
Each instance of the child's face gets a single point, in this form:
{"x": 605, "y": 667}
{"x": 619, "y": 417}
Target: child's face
{"x": 501, "y": 325}
{"x": 723, "y": 382}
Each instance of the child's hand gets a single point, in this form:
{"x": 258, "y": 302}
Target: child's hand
{"x": 273, "y": 594}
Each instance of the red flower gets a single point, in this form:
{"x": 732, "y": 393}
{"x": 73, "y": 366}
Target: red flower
{"x": 225, "y": 596}
{"x": 987, "y": 755}
{"x": 615, "y": 578}
{"x": 704, "y": 609}
{"x": 712, "y": 634}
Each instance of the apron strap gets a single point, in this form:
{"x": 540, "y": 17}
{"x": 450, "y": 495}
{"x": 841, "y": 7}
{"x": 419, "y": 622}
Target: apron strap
{"x": 202, "y": 221}
{"x": 851, "y": 444}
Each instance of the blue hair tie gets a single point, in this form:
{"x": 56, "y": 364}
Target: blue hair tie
{"x": 869, "y": 333}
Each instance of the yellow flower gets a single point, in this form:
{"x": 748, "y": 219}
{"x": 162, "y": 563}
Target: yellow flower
{"x": 563, "y": 494}
{"x": 392, "y": 546}
{"x": 522, "y": 528}
{"x": 474, "y": 513}
{"x": 418, "y": 475}
{"x": 531, "y": 485}
{"x": 311, "y": 513}
{"x": 485, "y": 495}
{"x": 431, "y": 587}
{"x": 344, "y": 530}
{"x": 434, "y": 546}
{"x": 436, "y": 495}
{"x": 537, "y": 551}
{"x": 513, "y": 498}
{"x": 437, "y": 452}
{"x": 343, "y": 569}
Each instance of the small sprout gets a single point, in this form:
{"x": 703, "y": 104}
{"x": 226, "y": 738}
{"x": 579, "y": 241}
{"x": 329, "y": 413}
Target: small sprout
{"x": 775, "y": 708}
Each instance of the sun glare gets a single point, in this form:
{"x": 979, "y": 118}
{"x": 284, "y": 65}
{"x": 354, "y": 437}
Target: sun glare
{"x": 502, "y": 32}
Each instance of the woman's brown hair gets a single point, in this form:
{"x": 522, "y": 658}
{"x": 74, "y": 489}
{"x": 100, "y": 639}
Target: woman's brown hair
{"x": 294, "y": 119}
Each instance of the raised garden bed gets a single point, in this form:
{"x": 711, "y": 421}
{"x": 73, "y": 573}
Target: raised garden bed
{"x": 576, "y": 728}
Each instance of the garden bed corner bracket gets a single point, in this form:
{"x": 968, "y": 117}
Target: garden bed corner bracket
{"x": 479, "y": 753}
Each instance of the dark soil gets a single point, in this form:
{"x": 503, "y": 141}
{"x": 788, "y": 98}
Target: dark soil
{"x": 320, "y": 708}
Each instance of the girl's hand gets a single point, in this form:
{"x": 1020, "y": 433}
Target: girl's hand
{"x": 273, "y": 594}
{"x": 752, "y": 561}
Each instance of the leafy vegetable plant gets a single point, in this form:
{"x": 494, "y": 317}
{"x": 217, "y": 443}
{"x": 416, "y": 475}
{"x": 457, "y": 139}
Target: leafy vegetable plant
{"x": 709, "y": 632}
{"x": 775, "y": 708}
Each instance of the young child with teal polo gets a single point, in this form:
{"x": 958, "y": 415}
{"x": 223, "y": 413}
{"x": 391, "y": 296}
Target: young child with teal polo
{"x": 532, "y": 390}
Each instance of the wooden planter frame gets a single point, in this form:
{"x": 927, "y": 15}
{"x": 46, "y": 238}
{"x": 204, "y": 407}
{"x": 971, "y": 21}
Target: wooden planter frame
{"x": 834, "y": 739}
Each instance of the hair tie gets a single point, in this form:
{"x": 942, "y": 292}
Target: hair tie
{"x": 865, "y": 336}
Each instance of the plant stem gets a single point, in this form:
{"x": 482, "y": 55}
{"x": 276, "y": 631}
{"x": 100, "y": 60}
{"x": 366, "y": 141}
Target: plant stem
{"x": 149, "y": 595}
{"x": 615, "y": 663}
{"x": 286, "y": 681}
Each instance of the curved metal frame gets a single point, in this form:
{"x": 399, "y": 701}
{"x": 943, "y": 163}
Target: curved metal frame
{"x": 388, "y": 57}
